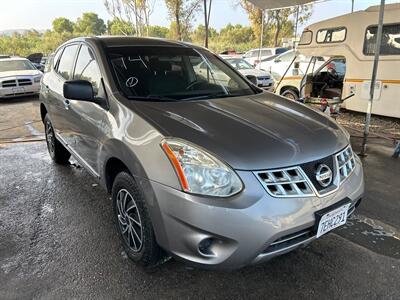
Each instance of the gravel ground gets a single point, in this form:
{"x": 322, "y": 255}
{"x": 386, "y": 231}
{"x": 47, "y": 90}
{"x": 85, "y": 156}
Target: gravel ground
{"x": 389, "y": 127}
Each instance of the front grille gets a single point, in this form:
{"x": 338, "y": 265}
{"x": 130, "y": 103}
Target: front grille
{"x": 299, "y": 237}
{"x": 9, "y": 83}
{"x": 23, "y": 82}
{"x": 300, "y": 181}
{"x": 290, "y": 240}
{"x": 288, "y": 182}
{"x": 345, "y": 163}
{"x": 263, "y": 77}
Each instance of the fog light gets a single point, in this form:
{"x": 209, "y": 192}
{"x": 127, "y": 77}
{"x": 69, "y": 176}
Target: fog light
{"x": 205, "y": 247}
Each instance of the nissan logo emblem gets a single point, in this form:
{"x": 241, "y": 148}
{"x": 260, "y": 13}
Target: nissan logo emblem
{"x": 323, "y": 175}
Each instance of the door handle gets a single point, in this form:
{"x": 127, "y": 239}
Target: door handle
{"x": 67, "y": 103}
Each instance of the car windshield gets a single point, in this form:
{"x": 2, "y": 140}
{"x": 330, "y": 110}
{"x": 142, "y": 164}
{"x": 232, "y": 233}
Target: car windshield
{"x": 239, "y": 64}
{"x": 16, "y": 65}
{"x": 281, "y": 50}
{"x": 174, "y": 74}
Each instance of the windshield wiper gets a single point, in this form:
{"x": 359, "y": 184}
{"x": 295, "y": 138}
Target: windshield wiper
{"x": 154, "y": 98}
{"x": 209, "y": 96}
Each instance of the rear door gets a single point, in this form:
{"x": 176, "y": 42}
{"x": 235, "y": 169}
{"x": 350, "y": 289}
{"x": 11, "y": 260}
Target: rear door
{"x": 53, "y": 86}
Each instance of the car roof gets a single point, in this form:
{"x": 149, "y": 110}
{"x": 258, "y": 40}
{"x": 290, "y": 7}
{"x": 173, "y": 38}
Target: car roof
{"x": 123, "y": 41}
{"x": 13, "y": 58}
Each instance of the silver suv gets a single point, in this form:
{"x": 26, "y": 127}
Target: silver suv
{"x": 201, "y": 164}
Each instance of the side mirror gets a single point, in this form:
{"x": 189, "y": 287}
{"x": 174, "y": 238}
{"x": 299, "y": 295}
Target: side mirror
{"x": 296, "y": 65}
{"x": 277, "y": 60}
{"x": 252, "y": 79}
{"x": 78, "y": 90}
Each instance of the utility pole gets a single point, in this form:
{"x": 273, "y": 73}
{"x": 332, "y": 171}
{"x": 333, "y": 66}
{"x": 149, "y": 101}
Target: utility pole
{"x": 205, "y": 24}
{"x": 297, "y": 24}
{"x": 373, "y": 78}
{"x": 352, "y": 5}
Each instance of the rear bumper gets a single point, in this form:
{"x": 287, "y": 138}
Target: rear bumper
{"x": 248, "y": 228}
{"x": 9, "y": 92}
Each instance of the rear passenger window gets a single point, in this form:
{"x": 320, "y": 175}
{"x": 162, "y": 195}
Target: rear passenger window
{"x": 87, "y": 69}
{"x": 66, "y": 62}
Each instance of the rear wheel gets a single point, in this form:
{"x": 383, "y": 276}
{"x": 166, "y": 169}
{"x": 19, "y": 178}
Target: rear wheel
{"x": 133, "y": 222}
{"x": 290, "y": 94}
{"x": 57, "y": 151}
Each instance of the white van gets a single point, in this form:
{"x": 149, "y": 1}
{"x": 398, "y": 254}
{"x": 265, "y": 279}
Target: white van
{"x": 350, "y": 42}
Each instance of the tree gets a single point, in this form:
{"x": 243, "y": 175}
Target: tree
{"x": 62, "y": 25}
{"x": 136, "y": 13}
{"x": 278, "y": 21}
{"x": 198, "y": 35}
{"x": 281, "y": 20}
{"x": 120, "y": 27}
{"x": 90, "y": 24}
{"x": 182, "y": 13}
{"x": 158, "y": 31}
{"x": 255, "y": 16}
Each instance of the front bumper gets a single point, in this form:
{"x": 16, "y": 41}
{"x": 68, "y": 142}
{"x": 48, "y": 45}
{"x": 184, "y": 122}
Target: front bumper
{"x": 265, "y": 84}
{"x": 244, "y": 229}
{"x": 9, "y": 92}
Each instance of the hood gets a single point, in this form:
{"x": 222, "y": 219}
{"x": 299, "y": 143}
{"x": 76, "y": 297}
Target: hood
{"x": 20, "y": 73}
{"x": 254, "y": 72}
{"x": 249, "y": 133}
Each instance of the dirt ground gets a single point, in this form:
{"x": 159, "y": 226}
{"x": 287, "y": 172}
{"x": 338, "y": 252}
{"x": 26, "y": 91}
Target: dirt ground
{"x": 20, "y": 120}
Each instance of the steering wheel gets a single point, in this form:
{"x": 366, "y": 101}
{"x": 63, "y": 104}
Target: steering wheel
{"x": 333, "y": 75}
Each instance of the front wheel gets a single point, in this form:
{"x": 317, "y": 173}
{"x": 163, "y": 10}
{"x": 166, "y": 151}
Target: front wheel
{"x": 133, "y": 222}
{"x": 290, "y": 94}
{"x": 58, "y": 153}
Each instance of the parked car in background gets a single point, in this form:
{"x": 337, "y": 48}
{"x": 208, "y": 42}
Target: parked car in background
{"x": 254, "y": 56}
{"x": 263, "y": 79}
{"x": 18, "y": 76}
{"x": 231, "y": 53}
{"x": 43, "y": 61}
{"x": 278, "y": 66}
{"x": 220, "y": 174}
{"x": 39, "y": 66}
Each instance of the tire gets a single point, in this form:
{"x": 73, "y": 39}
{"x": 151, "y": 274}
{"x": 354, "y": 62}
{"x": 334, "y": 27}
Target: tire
{"x": 58, "y": 153}
{"x": 290, "y": 94}
{"x": 130, "y": 209}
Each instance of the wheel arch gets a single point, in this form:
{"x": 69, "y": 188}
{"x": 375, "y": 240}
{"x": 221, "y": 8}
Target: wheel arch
{"x": 43, "y": 111}
{"x": 289, "y": 87}
{"x": 116, "y": 157}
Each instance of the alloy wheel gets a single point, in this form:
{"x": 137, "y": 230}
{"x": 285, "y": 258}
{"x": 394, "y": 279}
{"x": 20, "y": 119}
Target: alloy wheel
{"x": 50, "y": 139}
{"x": 129, "y": 220}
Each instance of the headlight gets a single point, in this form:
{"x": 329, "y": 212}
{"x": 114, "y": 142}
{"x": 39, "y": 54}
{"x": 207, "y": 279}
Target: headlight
{"x": 37, "y": 79}
{"x": 199, "y": 172}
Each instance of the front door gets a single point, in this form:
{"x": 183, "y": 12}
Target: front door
{"x": 88, "y": 116}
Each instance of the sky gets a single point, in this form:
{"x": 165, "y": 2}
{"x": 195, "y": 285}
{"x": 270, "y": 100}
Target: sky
{"x": 38, "y": 14}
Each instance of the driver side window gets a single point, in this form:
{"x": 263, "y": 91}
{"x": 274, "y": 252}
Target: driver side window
{"x": 87, "y": 69}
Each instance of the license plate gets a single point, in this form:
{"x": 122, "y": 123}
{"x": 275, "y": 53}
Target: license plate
{"x": 18, "y": 90}
{"x": 333, "y": 219}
